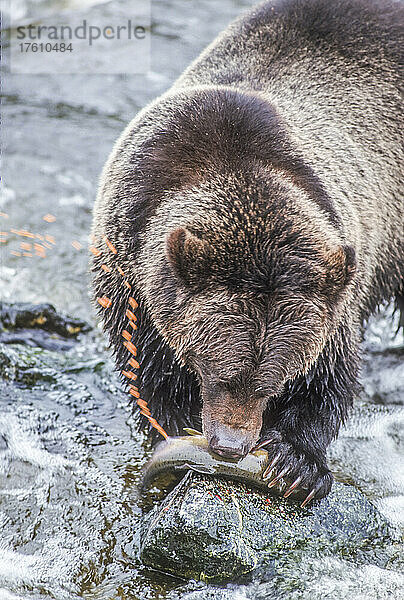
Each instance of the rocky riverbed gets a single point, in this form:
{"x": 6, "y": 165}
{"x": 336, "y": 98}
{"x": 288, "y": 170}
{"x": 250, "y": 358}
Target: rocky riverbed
{"x": 74, "y": 525}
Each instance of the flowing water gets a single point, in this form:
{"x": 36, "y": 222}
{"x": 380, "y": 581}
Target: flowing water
{"x": 69, "y": 457}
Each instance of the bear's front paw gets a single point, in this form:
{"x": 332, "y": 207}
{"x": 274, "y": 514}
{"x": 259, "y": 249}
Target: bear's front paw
{"x": 295, "y": 471}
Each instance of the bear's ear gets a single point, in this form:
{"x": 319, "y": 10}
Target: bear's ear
{"x": 188, "y": 255}
{"x": 341, "y": 267}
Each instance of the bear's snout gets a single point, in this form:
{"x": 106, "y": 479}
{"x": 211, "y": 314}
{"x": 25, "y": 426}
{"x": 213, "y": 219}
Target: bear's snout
{"x": 232, "y": 428}
{"x": 230, "y": 443}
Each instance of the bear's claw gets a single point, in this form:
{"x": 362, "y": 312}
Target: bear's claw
{"x": 292, "y": 487}
{"x": 278, "y": 477}
{"x": 308, "y": 498}
{"x": 307, "y": 477}
{"x": 264, "y": 443}
{"x": 267, "y": 472}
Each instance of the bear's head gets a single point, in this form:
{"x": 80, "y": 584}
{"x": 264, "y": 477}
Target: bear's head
{"x": 249, "y": 285}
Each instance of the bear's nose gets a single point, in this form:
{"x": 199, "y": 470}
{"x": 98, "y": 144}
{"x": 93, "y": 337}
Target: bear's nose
{"x": 230, "y": 445}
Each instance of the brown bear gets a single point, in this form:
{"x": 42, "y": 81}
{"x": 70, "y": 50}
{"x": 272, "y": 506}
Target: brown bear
{"x": 255, "y": 211}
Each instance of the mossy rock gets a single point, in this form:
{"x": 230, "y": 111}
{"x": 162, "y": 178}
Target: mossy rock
{"x": 216, "y": 530}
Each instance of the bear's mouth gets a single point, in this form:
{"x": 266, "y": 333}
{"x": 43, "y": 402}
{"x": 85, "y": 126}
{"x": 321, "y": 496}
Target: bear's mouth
{"x": 228, "y": 443}
{"x": 232, "y": 428}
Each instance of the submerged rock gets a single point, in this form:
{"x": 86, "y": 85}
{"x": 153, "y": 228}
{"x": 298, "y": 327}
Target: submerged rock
{"x": 216, "y": 530}
{"x": 38, "y": 325}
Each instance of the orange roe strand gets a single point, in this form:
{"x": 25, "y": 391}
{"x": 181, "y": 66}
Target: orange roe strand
{"x": 120, "y": 271}
{"x": 39, "y": 250}
{"x": 95, "y": 251}
{"x": 129, "y": 375}
{"x": 77, "y": 245}
{"x": 133, "y": 303}
{"x": 49, "y": 218}
{"x": 104, "y": 301}
{"x": 154, "y": 424}
{"x": 131, "y": 347}
{"x": 22, "y": 232}
{"x": 128, "y": 285}
{"x": 135, "y": 393}
{"x": 131, "y": 315}
{"x": 133, "y": 390}
{"x": 110, "y": 246}
{"x": 50, "y": 238}
{"x": 105, "y": 268}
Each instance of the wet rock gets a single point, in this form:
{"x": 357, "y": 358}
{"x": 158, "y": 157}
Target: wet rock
{"x": 25, "y": 366}
{"x": 34, "y": 339}
{"x": 38, "y": 325}
{"x": 213, "y": 530}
